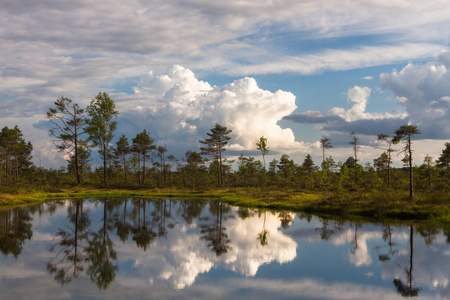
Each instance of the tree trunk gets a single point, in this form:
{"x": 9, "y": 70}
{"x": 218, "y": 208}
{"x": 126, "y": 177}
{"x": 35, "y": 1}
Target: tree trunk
{"x": 356, "y": 165}
{"x": 125, "y": 166}
{"x": 105, "y": 181}
{"x": 77, "y": 169}
{"x": 323, "y": 153}
{"x": 16, "y": 168}
{"x": 139, "y": 167}
{"x": 143, "y": 170}
{"x": 161, "y": 179}
{"x": 429, "y": 180}
{"x": 77, "y": 214}
{"x": 411, "y": 185}
{"x": 164, "y": 169}
{"x": 220, "y": 162}
{"x": 389, "y": 169}
{"x": 411, "y": 246}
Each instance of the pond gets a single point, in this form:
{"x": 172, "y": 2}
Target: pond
{"x": 203, "y": 249}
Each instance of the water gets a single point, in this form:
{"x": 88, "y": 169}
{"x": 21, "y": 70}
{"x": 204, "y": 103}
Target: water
{"x": 147, "y": 249}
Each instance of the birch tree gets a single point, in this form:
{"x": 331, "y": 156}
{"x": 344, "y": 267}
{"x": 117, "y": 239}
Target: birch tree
{"x": 100, "y": 126}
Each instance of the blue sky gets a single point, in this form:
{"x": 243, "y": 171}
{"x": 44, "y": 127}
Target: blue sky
{"x": 293, "y": 71}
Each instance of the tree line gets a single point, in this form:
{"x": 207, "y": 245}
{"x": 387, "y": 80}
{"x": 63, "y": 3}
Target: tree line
{"x": 142, "y": 163}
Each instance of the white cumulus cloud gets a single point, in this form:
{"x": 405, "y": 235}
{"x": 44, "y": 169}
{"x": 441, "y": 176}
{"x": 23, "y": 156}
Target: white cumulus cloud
{"x": 360, "y": 96}
{"x": 424, "y": 91}
{"x": 179, "y": 110}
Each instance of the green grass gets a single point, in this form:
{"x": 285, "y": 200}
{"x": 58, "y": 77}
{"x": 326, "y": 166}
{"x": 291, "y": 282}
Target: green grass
{"x": 376, "y": 206}
{"x": 24, "y": 198}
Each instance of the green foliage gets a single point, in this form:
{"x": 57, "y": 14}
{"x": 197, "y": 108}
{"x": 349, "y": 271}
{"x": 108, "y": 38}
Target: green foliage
{"x": 261, "y": 145}
{"x": 100, "y": 126}
{"x": 444, "y": 159}
{"x": 406, "y": 133}
{"x": 84, "y": 157}
{"x": 69, "y": 121}
{"x": 385, "y": 160}
{"x": 250, "y": 171}
{"x": 193, "y": 172}
{"x": 308, "y": 164}
{"x": 286, "y": 166}
{"x": 15, "y": 156}
{"x": 215, "y": 146}
{"x": 122, "y": 150}
{"x": 142, "y": 146}
{"x": 355, "y": 145}
{"x": 305, "y": 172}
{"x": 326, "y": 144}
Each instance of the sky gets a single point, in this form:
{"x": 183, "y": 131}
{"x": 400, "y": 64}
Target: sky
{"x": 291, "y": 71}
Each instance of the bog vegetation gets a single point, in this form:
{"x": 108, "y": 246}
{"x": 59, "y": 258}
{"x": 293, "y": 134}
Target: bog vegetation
{"x": 138, "y": 163}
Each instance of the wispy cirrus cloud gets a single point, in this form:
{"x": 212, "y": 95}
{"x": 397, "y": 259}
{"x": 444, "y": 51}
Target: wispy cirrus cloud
{"x": 337, "y": 59}
{"x": 76, "y": 49}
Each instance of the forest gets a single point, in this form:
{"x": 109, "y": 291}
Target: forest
{"x": 138, "y": 163}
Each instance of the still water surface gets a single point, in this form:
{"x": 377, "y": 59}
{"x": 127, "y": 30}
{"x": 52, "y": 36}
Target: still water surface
{"x": 147, "y": 249}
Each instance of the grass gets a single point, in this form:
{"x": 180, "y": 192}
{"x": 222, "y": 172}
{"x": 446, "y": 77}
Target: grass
{"x": 26, "y": 198}
{"x": 376, "y": 206}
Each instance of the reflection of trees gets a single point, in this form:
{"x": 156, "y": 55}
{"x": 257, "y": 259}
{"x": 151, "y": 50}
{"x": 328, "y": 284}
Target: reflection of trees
{"x": 165, "y": 212}
{"x": 215, "y": 233}
{"x": 192, "y": 209}
{"x": 387, "y": 237}
{"x": 286, "y": 219}
{"x": 162, "y": 231}
{"x": 15, "y": 228}
{"x": 407, "y": 289}
{"x": 303, "y": 216}
{"x": 142, "y": 234}
{"x": 355, "y": 239}
{"x": 123, "y": 227}
{"x": 70, "y": 255}
{"x": 262, "y": 236}
{"x": 428, "y": 234}
{"x": 244, "y": 213}
{"x": 329, "y": 228}
{"x": 101, "y": 252}
{"x": 447, "y": 234}
{"x": 48, "y": 208}
{"x": 52, "y": 206}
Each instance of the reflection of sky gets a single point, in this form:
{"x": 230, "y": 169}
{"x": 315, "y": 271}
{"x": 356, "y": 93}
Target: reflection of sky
{"x": 180, "y": 256}
{"x": 295, "y": 262}
{"x": 431, "y": 265}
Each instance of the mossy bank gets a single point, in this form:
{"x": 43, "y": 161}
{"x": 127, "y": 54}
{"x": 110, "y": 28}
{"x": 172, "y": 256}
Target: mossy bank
{"x": 394, "y": 206}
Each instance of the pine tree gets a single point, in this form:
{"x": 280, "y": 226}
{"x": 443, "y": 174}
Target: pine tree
{"x": 143, "y": 145}
{"x": 444, "y": 159}
{"x": 69, "y": 121}
{"x": 388, "y": 154}
{"x": 406, "y": 133}
{"x": 122, "y": 150}
{"x": 215, "y": 146}
{"x": 355, "y": 146}
{"x": 326, "y": 144}
{"x": 15, "y": 154}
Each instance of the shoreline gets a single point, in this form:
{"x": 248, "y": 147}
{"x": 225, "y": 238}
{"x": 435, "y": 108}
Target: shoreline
{"x": 394, "y": 206}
